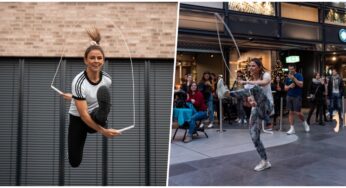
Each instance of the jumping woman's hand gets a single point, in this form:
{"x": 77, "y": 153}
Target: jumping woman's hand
{"x": 67, "y": 96}
{"x": 109, "y": 133}
{"x": 241, "y": 81}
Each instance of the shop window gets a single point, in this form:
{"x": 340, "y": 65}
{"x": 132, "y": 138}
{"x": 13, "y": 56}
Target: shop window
{"x": 295, "y": 30}
{"x": 335, "y": 47}
{"x": 336, "y": 4}
{"x": 335, "y": 17}
{"x": 202, "y": 21}
{"x": 206, "y": 4}
{"x": 264, "y": 8}
{"x": 299, "y": 12}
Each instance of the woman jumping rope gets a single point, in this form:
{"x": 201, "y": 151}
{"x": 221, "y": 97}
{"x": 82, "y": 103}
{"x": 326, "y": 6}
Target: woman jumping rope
{"x": 90, "y": 101}
{"x": 258, "y": 93}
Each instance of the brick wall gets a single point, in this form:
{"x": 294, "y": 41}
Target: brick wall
{"x": 44, "y": 29}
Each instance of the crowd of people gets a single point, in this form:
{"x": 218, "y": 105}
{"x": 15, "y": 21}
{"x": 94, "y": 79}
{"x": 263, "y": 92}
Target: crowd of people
{"x": 324, "y": 95}
{"x": 257, "y": 100}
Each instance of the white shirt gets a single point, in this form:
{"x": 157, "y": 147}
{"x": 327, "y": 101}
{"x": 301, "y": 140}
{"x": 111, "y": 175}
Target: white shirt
{"x": 83, "y": 89}
{"x": 267, "y": 90}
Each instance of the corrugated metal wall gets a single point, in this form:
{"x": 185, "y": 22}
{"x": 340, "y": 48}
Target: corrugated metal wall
{"x": 160, "y": 98}
{"x": 9, "y": 84}
{"x": 40, "y": 116}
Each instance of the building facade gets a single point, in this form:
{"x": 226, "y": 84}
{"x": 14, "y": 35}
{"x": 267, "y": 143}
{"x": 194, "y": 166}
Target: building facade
{"x": 271, "y": 31}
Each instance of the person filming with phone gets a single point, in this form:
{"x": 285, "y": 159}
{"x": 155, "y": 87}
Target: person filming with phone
{"x": 294, "y": 88}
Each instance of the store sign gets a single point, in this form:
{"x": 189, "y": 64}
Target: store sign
{"x": 292, "y": 59}
{"x": 342, "y": 35}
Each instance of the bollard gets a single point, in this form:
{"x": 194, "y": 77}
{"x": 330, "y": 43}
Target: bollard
{"x": 281, "y": 109}
{"x": 343, "y": 112}
{"x": 221, "y": 118}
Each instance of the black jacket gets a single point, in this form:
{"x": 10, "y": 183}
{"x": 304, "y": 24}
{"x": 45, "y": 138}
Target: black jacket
{"x": 317, "y": 89}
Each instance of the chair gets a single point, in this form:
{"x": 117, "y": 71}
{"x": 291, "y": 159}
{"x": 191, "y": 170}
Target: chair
{"x": 186, "y": 128}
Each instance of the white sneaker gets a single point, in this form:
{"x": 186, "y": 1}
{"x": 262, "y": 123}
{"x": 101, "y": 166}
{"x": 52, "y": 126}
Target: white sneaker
{"x": 262, "y": 165}
{"x": 291, "y": 131}
{"x": 210, "y": 125}
{"x": 202, "y": 125}
{"x": 306, "y": 127}
{"x": 237, "y": 120}
{"x": 221, "y": 89}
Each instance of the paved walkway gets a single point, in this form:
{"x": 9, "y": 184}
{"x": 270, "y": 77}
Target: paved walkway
{"x": 219, "y": 144}
{"x": 315, "y": 158}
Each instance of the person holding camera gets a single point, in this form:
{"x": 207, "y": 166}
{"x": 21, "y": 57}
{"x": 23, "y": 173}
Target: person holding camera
{"x": 293, "y": 86}
{"x": 316, "y": 98}
{"x": 335, "y": 94}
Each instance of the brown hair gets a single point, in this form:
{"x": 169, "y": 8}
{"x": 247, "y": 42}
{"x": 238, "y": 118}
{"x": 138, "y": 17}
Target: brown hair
{"x": 95, "y": 35}
{"x": 260, "y": 65}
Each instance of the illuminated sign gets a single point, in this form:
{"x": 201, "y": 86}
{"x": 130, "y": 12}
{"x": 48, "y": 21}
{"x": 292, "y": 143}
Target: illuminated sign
{"x": 292, "y": 59}
{"x": 342, "y": 35}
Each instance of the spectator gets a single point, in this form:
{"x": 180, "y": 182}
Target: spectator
{"x": 186, "y": 84}
{"x": 325, "y": 80}
{"x": 240, "y": 101}
{"x": 316, "y": 98}
{"x": 196, "y": 101}
{"x": 278, "y": 87}
{"x": 293, "y": 86}
{"x": 205, "y": 86}
{"x": 335, "y": 94}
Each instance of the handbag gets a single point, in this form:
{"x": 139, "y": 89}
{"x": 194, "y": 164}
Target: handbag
{"x": 312, "y": 97}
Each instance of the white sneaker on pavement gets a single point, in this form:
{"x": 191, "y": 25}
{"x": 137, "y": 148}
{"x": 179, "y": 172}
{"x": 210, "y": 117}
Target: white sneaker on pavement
{"x": 291, "y": 131}
{"x": 262, "y": 165}
{"x": 306, "y": 127}
{"x": 210, "y": 125}
{"x": 202, "y": 125}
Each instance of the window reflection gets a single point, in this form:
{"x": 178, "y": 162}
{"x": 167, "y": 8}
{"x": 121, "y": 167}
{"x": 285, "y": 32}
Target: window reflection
{"x": 265, "y": 8}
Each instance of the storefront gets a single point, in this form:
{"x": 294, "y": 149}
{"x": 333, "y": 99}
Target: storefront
{"x": 270, "y": 31}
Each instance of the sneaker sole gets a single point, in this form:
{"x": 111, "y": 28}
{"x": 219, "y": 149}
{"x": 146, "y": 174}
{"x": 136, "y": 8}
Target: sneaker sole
{"x": 104, "y": 99}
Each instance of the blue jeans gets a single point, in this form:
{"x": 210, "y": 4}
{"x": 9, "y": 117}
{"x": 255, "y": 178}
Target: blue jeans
{"x": 210, "y": 103}
{"x": 335, "y": 104}
{"x": 195, "y": 117}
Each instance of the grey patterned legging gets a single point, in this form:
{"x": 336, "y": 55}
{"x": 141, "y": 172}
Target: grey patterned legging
{"x": 258, "y": 114}
{"x": 255, "y": 126}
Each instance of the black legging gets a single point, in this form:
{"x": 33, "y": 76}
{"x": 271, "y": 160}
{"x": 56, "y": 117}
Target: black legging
{"x": 77, "y": 133}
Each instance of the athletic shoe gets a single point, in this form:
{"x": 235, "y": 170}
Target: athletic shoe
{"x": 100, "y": 114}
{"x": 201, "y": 125}
{"x": 263, "y": 164}
{"x": 188, "y": 139}
{"x": 210, "y": 125}
{"x": 306, "y": 127}
{"x": 291, "y": 131}
{"x": 221, "y": 89}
